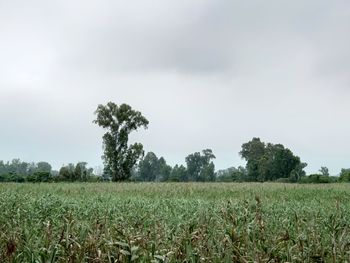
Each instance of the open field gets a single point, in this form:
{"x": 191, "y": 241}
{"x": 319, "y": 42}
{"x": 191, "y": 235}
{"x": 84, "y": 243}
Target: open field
{"x": 194, "y": 222}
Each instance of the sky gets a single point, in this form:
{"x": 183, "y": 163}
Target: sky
{"x": 206, "y": 74}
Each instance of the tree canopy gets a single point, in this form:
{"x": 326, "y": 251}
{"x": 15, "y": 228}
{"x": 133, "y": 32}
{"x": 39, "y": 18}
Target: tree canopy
{"x": 269, "y": 162}
{"x": 153, "y": 169}
{"x": 119, "y": 121}
{"x": 200, "y": 167}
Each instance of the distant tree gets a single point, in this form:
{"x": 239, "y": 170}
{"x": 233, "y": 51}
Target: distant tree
{"x": 81, "y": 173}
{"x": 208, "y": 173}
{"x": 178, "y": 174}
{"x": 39, "y": 177}
{"x": 2, "y": 167}
{"x": 318, "y": 179}
{"x": 19, "y": 171}
{"x": 232, "y": 175}
{"x": 344, "y": 175}
{"x": 281, "y": 162}
{"x": 44, "y": 167}
{"x": 89, "y": 174}
{"x": 298, "y": 172}
{"x": 18, "y": 167}
{"x": 78, "y": 173}
{"x": 200, "y": 166}
{"x": 253, "y": 151}
{"x": 149, "y": 167}
{"x": 66, "y": 173}
{"x": 194, "y": 166}
{"x": 153, "y": 169}
{"x": 119, "y": 158}
{"x": 164, "y": 170}
{"x": 324, "y": 171}
{"x": 269, "y": 162}
{"x": 32, "y": 168}
{"x": 74, "y": 173}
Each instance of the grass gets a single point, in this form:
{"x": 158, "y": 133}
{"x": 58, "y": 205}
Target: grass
{"x": 175, "y": 222}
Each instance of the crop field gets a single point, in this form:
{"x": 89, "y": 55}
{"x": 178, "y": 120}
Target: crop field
{"x": 174, "y": 222}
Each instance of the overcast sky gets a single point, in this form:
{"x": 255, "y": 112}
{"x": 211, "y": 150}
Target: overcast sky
{"x": 206, "y": 73}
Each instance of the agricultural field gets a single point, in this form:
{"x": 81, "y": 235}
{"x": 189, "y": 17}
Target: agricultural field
{"x": 174, "y": 222}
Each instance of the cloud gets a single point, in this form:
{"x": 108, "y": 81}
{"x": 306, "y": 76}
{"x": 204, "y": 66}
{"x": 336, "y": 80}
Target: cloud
{"x": 207, "y": 73}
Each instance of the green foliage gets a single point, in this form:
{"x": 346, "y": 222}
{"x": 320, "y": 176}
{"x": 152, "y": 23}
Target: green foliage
{"x": 318, "y": 179}
{"x": 253, "y": 153}
{"x": 200, "y": 167}
{"x": 18, "y": 171}
{"x": 66, "y": 173}
{"x": 148, "y": 167}
{"x": 269, "y": 162}
{"x": 119, "y": 121}
{"x": 12, "y": 177}
{"x": 297, "y": 173}
{"x": 344, "y": 175}
{"x": 164, "y": 170}
{"x": 151, "y": 168}
{"x": 232, "y": 175}
{"x": 78, "y": 172}
{"x": 176, "y": 222}
{"x": 39, "y": 177}
{"x": 178, "y": 174}
{"x": 324, "y": 171}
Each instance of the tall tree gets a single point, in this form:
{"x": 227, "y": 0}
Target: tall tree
{"x": 119, "y": 121}
{"x": 252, "y": 152}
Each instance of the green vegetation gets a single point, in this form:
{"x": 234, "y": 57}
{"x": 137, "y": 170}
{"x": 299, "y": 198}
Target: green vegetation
{"x": 18, "y": 171}
{"x": 174, "y": 222}
{"x": 200, "y": 167}
{"x": 151, "y": 168}
{"x": 119, "y": 157}
{"x": 344, "y": 175}
{"x": 270, "y": 162}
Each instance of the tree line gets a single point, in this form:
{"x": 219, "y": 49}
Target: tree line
{"x": 265, "y": 162}
{"x": 128, "y": 162}
{"x": 19, "y": 171}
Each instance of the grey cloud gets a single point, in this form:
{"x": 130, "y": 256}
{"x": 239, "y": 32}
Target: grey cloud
{"x": 186, "y": 36}
{"x": 206, "y": 73}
